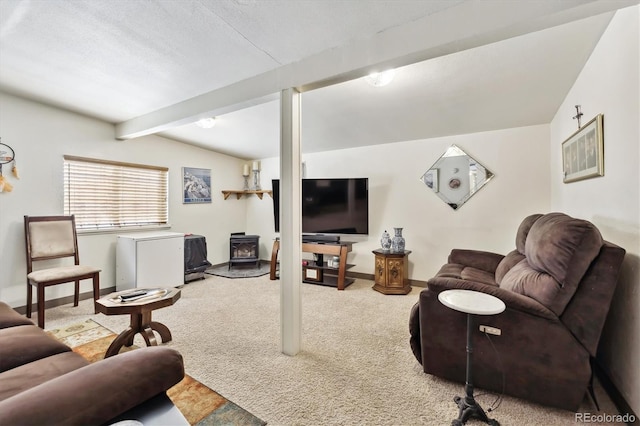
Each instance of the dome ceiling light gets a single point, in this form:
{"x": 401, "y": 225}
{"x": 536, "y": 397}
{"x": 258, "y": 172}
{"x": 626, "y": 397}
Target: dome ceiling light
{"x": 206, "y": 123}
{"x": 379, "y": 79}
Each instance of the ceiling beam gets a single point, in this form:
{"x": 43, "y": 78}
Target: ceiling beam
{"x": 468, "y": 25}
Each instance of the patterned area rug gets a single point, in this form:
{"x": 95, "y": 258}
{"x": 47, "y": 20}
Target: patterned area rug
{"x": 200, "y": 405}
{"x": 240, "y": 271}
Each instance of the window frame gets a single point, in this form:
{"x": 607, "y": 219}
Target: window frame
{"x": 118, "y": 177}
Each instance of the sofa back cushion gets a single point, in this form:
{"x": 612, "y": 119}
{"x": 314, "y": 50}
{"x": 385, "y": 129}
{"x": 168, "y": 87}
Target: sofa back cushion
{"x": 523, "y": 279}
{"x": 511, "y": 259}
{"x": 23, "y": 344}
{"x": 10, "y": 318}
{"x": 523, "y": 231}
{"x": 558, "y": 250}
{"x": 563, "y": 247}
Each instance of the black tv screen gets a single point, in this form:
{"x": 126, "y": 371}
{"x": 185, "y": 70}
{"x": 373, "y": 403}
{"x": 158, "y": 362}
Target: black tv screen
{"x": 330, "y": 206}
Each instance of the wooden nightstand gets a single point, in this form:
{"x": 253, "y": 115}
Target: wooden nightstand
{"x": 391, "y": 272}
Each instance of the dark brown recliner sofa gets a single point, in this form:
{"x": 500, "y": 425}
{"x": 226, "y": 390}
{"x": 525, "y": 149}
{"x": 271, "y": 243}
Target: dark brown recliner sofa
{"x": 557, "y": 286}
{"x": 43, "y": 382}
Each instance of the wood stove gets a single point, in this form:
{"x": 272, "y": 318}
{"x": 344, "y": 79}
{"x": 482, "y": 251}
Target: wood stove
{"x": 244, "y": 249}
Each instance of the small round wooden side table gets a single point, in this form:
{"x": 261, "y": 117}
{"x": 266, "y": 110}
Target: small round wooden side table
{"x": 472, "y": 303}
{"x": 140, "y": 311}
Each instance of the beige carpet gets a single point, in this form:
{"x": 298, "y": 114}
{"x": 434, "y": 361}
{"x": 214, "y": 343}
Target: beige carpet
{"x": 200, "y": 405}
{"x": 356, "y": 367}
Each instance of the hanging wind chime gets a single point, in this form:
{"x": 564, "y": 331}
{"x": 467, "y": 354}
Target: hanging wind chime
{"x": 7, "y": 156}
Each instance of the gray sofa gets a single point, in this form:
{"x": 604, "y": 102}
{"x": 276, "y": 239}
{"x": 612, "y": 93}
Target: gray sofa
{"x": 557, "y": 286}
{"x": 42, "y": 381}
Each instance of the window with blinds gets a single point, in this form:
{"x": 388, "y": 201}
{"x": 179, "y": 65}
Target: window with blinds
{"x": 108, "y": 195}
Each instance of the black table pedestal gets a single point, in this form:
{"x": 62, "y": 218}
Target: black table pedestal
{"x": 468, "y": 406}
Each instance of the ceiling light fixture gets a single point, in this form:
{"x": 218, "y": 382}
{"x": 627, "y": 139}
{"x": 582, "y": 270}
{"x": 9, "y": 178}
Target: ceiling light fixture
{"x": 379, "y": 79}
{"x": 206, "y": 123}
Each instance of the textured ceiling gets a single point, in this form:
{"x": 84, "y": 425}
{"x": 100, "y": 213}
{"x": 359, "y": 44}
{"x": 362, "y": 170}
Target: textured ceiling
{"x": 516, "y": 82}
{"x": 118, "y": 60}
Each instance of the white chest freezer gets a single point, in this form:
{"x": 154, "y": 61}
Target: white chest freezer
{"x": 149, "y": 259}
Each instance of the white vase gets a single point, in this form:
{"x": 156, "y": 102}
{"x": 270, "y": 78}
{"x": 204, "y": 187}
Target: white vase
{"x": 385, "y": 241}
{"x": 397, "y": 243}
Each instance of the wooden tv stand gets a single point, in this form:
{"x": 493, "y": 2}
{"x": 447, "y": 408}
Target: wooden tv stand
{"x": 331, "y": 248}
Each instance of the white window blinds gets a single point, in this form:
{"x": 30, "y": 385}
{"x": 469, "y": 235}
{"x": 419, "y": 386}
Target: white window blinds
{"x": 107, "y": 194}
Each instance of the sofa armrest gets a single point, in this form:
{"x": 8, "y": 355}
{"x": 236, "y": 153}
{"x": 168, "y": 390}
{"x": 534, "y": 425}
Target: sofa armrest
{"x": 98, "y": 392}
{"x": 511, "y": 299}
{"x": 483, "y": 260}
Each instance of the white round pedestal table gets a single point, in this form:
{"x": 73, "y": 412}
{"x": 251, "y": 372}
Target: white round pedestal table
{"x": 472, "y": 303}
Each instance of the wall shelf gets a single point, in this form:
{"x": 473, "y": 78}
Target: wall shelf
{"x": 239, "y": 194}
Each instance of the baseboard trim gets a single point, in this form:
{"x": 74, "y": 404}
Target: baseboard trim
{"x": 362, "y": 276}
{"x": 64, "y": 300}
{"x": 371, "y": 277}
{"x": 103, "y": 291}
{"x": 418, "y": 283}
{"x": 616, "y": 397}
{"x": 359, "y": 275}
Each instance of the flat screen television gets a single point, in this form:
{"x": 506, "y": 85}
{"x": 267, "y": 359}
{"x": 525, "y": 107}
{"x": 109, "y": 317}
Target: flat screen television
{"x": 330, "y": 206}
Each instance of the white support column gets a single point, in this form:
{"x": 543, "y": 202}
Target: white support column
{"x": 290, "y": 222}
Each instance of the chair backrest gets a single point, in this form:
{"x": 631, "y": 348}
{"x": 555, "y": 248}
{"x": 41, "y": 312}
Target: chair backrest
{"x": 50, "y": 237}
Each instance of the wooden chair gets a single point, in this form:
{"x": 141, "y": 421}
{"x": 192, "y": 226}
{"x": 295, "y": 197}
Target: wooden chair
{"x": 54, "y": 237}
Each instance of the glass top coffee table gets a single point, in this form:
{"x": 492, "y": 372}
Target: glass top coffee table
{"x": 139, "y": 303}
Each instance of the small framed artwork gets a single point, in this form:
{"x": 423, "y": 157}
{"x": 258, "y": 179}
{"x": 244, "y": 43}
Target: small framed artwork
{"x": 312, "y": 274}
{"x": 583, "y": 152}
{"x": 196, "y": 185}
{"x": 430, "y": 178}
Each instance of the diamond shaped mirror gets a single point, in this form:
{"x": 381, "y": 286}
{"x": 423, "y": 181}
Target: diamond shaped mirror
{"x": 456, "y": 177}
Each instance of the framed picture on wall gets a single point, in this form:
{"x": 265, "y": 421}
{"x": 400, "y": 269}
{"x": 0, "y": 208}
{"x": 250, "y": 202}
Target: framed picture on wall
{"x": 196, "y": 185}
{"x": 583, "y": 152}
{"x": 430, "y": 178}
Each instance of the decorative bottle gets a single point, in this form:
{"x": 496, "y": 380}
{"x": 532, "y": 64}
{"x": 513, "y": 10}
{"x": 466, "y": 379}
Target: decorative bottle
{"x": 385, "y": 241}
{"x": 397, "y": 243}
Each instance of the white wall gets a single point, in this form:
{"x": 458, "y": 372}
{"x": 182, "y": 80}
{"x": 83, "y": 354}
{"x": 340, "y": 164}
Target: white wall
{"x": 610, "y": 84}
{"x": 397, "y": 197}
{"x": 41, "y": 135}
